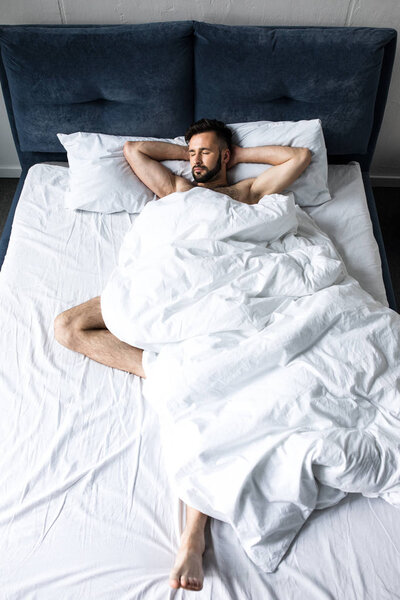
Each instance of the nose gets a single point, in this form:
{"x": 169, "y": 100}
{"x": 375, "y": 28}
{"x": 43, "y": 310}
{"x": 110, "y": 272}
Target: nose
{"x": 197, "y": 158}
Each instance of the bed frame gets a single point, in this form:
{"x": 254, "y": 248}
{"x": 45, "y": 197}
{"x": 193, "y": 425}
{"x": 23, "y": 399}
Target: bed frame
{"x": 155, "y": 79}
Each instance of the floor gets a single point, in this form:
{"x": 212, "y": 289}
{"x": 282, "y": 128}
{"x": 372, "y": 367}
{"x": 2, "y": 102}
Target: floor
{"x": 387, "y": 202}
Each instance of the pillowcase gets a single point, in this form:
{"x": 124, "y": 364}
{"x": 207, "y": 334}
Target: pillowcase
{"x": 311, "y": 188}
{"x": 101, "y": 180}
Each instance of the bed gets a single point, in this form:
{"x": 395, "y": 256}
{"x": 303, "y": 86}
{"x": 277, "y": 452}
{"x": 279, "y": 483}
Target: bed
{"x": 86, "y": 507}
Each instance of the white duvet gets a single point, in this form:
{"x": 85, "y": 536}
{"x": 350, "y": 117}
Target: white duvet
{"x": 276, "y": 377}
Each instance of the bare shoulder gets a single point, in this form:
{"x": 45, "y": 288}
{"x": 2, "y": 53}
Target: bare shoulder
{"x": 182, "y": 184}
{"x": 178, "y": 184}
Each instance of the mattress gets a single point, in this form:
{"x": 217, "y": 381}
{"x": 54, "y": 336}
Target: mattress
{"x": 86, "y": 508}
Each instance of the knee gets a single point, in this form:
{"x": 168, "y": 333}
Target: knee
{"x": 65, "y": 330}
{"x": 129, "y": 148}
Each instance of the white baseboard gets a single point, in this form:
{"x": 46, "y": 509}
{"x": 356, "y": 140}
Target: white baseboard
{"x": 10, "y": 172}
{"x": 385, "y": 180}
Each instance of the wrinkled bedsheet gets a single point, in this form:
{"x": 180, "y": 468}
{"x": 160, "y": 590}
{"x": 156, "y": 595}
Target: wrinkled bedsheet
{"x": 276, "y": 377}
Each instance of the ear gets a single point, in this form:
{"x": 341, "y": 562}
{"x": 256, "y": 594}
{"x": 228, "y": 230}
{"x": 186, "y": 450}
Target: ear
{"x": 226, "y": 155}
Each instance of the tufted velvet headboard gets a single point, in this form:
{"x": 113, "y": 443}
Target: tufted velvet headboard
{"x": 155, "y": 79}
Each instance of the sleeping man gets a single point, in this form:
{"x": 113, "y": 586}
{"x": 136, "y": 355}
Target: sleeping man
{"x": 210, "y": 153}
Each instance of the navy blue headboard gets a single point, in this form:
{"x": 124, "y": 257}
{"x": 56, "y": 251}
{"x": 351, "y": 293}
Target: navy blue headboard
{"x": 340, "y": 75}
{"x": 123, "y": 80}
{"x": 155, "y": 79}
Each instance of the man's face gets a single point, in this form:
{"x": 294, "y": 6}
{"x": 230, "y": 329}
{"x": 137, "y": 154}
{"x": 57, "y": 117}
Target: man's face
{"x": 205, "y": 156}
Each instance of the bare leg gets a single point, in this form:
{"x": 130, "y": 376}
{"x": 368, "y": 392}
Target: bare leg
{"x": 83, "y": 330}
{"x": 188, "y": 568}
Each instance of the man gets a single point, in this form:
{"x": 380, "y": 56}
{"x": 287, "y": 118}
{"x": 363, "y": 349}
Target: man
{"x": 210, "y": 153}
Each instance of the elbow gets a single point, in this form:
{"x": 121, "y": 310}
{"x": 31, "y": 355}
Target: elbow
{"x": 306, "y": 156}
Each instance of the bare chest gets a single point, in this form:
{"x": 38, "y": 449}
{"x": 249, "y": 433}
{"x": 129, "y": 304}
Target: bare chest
{"x": 230, "y": 190}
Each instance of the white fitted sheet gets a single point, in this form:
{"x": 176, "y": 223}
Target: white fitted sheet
{"x": 86, "y": 510}
{"x": 346, "y": 220}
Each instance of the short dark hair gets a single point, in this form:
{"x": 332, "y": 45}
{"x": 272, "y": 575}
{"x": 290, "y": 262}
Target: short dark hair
{"x": 224, "y": 134}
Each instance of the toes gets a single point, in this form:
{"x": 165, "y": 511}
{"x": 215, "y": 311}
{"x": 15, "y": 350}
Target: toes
{"x": 195, "y": 584}
{"x": 191, "y": 583}
{"x": 174, "y": 582}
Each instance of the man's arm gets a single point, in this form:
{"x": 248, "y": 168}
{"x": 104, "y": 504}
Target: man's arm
{"x": 289, "y": 163}
{"x": 144, "y": 159}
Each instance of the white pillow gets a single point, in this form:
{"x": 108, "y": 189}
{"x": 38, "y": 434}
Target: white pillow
{"x": 311, "y": 188}
{"x": 101, "y": 179}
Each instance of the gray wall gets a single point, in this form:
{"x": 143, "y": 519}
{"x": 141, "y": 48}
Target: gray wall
{"x": 368, "y": 13}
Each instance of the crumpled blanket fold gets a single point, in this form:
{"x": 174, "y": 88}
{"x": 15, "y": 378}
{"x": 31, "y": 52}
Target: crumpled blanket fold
{"x": 276, "y": 377}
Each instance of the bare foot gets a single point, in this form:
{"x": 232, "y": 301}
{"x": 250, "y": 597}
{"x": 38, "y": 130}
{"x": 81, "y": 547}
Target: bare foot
{"x": 188, "y": 568}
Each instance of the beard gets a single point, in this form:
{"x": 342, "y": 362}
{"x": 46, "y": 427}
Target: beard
{"x": 209, "y": 173}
